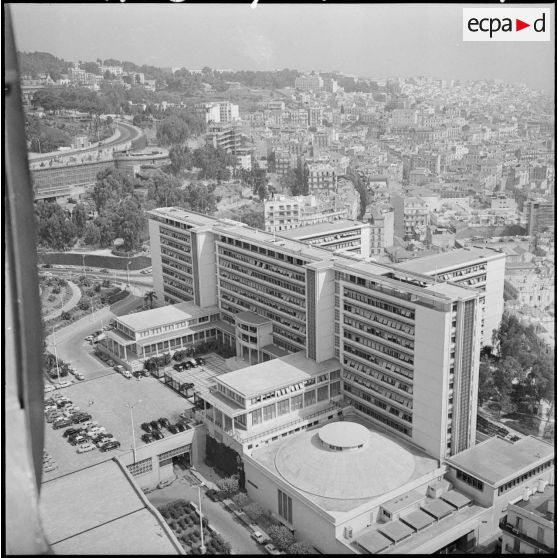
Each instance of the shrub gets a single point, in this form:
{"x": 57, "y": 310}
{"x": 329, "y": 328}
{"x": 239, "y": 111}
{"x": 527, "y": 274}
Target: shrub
{"x": 97, "y": 288}
{"x": 241, "y": 499}
{"x": 56, "y": 290}
{"x": 228, "y": 486}
{"x": 282, "y": 538}
{"x": 300, "y": 547}
{"x": 254, "y": 511}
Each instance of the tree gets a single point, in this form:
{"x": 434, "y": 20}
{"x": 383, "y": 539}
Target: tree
{"x": 181, "y": 158}
{"x": 486, "y": 382}
{"x": 300, "y": 547}
{"x": 149, "y": 297}
{"x": 228, "y": 486}
{"x": 281, "y": 536}
{"x": 79, "y": 218}
{"x": 92, "y": 234}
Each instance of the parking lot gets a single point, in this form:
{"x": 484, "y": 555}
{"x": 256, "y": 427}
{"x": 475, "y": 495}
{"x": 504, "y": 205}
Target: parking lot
{"x": 109, "y": 396}
{"x": 202, "y": 376}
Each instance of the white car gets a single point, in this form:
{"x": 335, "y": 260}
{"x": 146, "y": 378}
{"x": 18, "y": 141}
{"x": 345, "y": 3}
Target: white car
{"x": 49, "y": 387}
{"x": 96, "y": 430}
{"x": 126, "y": 374}
{"x": 63, "y": 384}
{"x": 272, "y": 549}
{"x": 79, "y": 376}
{"x": 88, "y": 446}
{"x": 259, "y": 537}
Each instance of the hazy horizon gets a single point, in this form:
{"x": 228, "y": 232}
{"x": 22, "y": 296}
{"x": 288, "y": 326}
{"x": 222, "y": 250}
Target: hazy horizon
{"x": 367, "y": 40}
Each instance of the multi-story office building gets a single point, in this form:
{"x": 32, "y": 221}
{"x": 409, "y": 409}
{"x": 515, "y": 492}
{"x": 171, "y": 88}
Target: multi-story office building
{"x": 225, "y": 135}
{"x": 540, "y": 216}
{"x": 338, "y": 236}
{"x": 529, "y": 526}
{"x": 408, "y": 345}
{"x": 483, "y": 269}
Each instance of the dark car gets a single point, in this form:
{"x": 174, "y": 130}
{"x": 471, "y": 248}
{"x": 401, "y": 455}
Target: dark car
{"x": 61, "y": 423}
{"x": 172, "y": 429}
{"x": 146, "y": 426}
{"x": 199, "y": 361}
{"x": 75, "y": 440}
{"x": 158, "y": 435}
{"x": 154, "y": 425}
{"x": 180, "y": 427}
{"x": 100, "y": 438}
{"x": 109, "y": 445}
{"x": 164, "y": 422}
{"x": 71, "y": 431}
{"x": 81, "y": 418}
{"x": 147, "y": 438}
{"x": 178, "y": 367}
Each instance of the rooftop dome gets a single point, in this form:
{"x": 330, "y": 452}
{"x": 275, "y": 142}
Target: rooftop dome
{"x": 344, "y": 460}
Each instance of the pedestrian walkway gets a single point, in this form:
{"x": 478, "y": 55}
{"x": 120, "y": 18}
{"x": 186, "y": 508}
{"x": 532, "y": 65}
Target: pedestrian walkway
{"x": 76, "y": 296}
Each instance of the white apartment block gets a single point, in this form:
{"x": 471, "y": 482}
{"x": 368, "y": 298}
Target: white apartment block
{"x": 218, "y": 112}
{"x": 482, "y": 269}
{"x": 311, "y": 82}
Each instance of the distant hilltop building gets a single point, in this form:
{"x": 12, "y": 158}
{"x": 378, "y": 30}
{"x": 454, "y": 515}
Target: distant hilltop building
{"x": 310, "y": 82}
{"x": 218, "y": 112}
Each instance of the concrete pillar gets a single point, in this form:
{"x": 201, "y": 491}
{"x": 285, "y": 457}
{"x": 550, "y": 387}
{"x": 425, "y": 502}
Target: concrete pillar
{"x": 125, "y": 353}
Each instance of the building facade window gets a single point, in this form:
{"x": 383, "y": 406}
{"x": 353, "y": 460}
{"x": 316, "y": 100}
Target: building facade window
{"x": 269, "y": 412}
{"x": 141, "y": 467}
{"x": 285, "y": 506}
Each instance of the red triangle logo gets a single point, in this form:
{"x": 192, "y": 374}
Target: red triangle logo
{"x": 519, "y": 25}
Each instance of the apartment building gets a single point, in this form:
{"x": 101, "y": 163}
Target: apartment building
{"x": 315, "y": 115}
{"x": 410, "y": 214}
{"x": 225, "y": 135}
{"x": 218, "y": 111}
{"x": 381, "y": 230}
{"x": 408, "y": 345}
{"x": 482, "y": 269}
{"x": 310, "y": 82}
{"x": 540, "y": 216}
{"x": 283, "y": 213}
{"x": 338, "y": 236}
{"x": 529, "y": 526}
{"x": 320, "y": 177}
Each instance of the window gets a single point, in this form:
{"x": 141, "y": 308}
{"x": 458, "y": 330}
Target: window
{"x": 335, "y": 389}
{"x": 471, "y": 481}
{"x": 310, "y": 398}
{"x": 283, "y": 407}
{"x": 285, "y": 506}
{"x": 166, "y": 457}
{"x": 323, "y": 393}
{"x": 296, "y": 402}
{"x": 141, "y": 467}
{"x": 269, "y": 412}
{"x": 256, "y": 416}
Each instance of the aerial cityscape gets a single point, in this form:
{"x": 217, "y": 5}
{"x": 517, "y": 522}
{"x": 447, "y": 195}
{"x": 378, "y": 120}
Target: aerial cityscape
{"x": 282, "y": 308}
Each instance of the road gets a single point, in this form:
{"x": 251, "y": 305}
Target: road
{"x": 71, "y": 346}
{"x": 223, "y": 521}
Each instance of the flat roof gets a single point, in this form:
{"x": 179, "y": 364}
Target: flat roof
{"x": 165, "y": 315}
{"x": 396, "y": 530}
{"x": 496, "y": 460}
{"x": 539, "y": 502}
{"x": 438, "y": 263}
{"x": 98, "y": 510}
{"x": 249, "y": 317}
{"x": 275, "y": 374}
{"x": 418, "y": 520}
{"x": 452, "y": 291}
{"x": 437, "y": 508}
{"x": 321, "y": 228}
{"x": 456, "y": 499}
{"x": 403, "y": 501}
{"x": 373, "y": 542}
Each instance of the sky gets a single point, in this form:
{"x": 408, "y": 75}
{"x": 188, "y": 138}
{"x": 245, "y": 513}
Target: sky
{"x": 367, "y": 40}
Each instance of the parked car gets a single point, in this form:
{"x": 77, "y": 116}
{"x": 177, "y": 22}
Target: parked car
{"x": 110, "y": 445}
{"x": 259, "y": 537}
{"x": 63, "y": 384}
{"x": 103, "y": 271}
{"x": 158, "y": 435}
{"x": 89, "y": 424}
{"x": 192, "y": 362}
{"x": 88, "y": 446}
{"x": 79, "y": 376}
{"x": 75, "y": 441}
{"x": 272, "y": 549}
{"x": 81, "y": 418}
{"x": 172, "y": 429}
{"x": 178, "y": 367}
{"x": 96, "y": 431}
{"x": 103, "y": 439}
{"x": 71, "y": 431}
{"x": 49, "y": 388}
{"x": 52, "y": 417}
{"x": 127, "y": 374}
{"x": 187, "y": 365}
{"x": 164, "y": 422}
{"x": 110, "y": 362}
{"x": 199, "y": 360}
{"x": 180, "y": 427}
{"x": 146, "y": 426}
{"x": 154, "y": 424}
{"x": 146, "y": 438}
{"x": 61, "y": 423}
{"x": 119, "y": 368}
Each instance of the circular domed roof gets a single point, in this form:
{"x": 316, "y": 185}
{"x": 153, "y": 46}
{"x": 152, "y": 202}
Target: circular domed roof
{"x": 379, "y": 466}
{"x": 344, "y": 435}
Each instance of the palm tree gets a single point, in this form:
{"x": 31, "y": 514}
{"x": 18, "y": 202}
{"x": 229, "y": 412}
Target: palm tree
{"x": 149, "y": 297}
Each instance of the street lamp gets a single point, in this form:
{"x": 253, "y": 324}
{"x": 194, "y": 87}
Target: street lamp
{"x": 202, "y": 546}
{"x": 131, "y": 407}
{"x": 128, "y": 273}
{"x": 83, "y": 261}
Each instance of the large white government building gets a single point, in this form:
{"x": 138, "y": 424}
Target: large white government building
{"x": 355, "y": 415}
